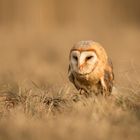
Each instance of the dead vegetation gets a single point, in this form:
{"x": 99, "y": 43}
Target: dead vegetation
{"x": 36, "y": 100}
{"x": 37, "y": 113}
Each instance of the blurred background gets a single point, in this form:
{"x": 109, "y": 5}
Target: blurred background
{"x": 36, "y": 36}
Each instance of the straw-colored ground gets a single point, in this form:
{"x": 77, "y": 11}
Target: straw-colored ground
{"x": 37, "y": 113}
{"x": 37, "y": 102}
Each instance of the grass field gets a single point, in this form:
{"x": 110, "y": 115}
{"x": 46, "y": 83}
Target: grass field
{"x": 37, "y": 101}
{"x": 38, "y": 113}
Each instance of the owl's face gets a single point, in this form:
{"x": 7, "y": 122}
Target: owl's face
{"x": 83, "y": 62}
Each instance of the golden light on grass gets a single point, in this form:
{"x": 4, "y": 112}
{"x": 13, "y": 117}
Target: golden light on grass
{"x": 37, "y": 102}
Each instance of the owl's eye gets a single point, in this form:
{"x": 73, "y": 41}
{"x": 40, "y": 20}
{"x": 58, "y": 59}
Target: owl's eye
{"x": 89, "y": 57}
{"x": 75, "y": 57}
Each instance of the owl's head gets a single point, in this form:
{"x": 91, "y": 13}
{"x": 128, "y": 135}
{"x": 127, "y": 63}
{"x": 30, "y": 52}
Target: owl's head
{"x": 85, "y": 56}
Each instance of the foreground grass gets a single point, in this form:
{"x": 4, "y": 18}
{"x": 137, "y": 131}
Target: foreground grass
{"x": 39, "y": 114}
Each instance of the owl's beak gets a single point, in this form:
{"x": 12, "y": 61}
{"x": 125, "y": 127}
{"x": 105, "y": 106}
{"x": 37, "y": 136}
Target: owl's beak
{"x": 80, "y": 67}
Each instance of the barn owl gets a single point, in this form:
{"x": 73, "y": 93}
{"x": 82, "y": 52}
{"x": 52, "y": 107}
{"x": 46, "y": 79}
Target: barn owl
{"x": 90, "y": 69}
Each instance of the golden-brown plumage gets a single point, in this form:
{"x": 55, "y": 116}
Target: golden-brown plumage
{"x": 90, "y": 69}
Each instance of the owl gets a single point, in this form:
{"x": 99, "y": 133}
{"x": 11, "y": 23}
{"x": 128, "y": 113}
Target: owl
{"x": 90, "y": 69}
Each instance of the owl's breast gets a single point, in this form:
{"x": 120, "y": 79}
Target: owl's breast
{"x": 86, "y": 80}
{"x": 90, "y": 85}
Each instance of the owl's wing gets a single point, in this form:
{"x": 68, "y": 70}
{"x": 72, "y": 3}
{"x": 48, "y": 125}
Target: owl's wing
{"x": 111, "y": 77}
{"x": 108, "y": 78}
{"x": 70, "y": 75}
{"x": 110, "y": 63}
{"x": 72, "y": 78}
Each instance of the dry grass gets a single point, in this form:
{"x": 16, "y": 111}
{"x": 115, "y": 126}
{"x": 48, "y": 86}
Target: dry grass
{"x": 37, "y": 113}
{"x": 36, "y": 100}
